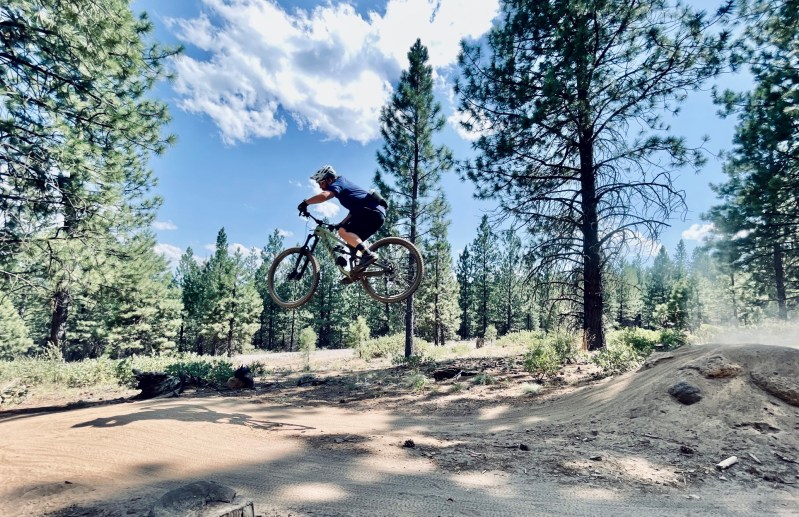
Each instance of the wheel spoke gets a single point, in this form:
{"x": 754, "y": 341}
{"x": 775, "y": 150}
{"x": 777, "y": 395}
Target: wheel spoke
{"x": 293, "y": 278}
{"x": 397, "y": 272}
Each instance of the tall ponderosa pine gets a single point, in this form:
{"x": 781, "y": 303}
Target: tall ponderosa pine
{"x": 410, "y": 164}
{"x": 761, "y": 198}
{"x": 76, "y": 131}
{"x": 554, "y": 103}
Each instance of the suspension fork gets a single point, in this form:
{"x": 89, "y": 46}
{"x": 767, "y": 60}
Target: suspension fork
{"x": 300, "y": 266}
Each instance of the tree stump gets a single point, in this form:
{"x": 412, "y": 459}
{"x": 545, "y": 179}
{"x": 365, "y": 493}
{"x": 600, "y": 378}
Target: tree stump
{"x": 202, "y": 499}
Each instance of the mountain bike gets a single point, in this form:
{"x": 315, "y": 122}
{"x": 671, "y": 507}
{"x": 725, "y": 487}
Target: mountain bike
{"x": 393, "y": 277}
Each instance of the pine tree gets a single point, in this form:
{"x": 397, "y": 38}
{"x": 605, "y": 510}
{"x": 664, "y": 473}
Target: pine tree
{"x": 465, "y": 276}
{"x": 760, "y": 199}
{"x": 509, "y": 283}
{"x": 77, "y": 130}
{"x": 484, "y": 256}
{"x": 410, "y": 163}
{"x": 659, "y": 283}
{"x": 272, "y": 316}
{"x": 681, "y": 265}
{"x": 136, "y": 311}
{"x": 437, "y": 297}
{"x": 194, "y": 296}
{"x": 14, "y": 339}
{"x": 233, "y": 308}
{"x": 553, "y": 102}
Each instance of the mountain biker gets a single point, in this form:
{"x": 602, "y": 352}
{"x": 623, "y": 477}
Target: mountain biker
{"x": 367, "y": 211}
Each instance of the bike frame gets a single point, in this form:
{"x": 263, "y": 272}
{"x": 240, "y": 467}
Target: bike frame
{"x": 333, "y": 245}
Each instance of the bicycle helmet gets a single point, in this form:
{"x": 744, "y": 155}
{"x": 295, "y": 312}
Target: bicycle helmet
{"x": 326, "y": 172}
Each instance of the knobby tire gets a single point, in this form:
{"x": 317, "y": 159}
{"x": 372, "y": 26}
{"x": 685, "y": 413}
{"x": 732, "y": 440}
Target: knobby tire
{"x": 284, "y": 262}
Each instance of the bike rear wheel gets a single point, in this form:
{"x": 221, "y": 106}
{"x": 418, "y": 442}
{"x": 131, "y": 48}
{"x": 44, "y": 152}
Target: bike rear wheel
{"x": 397, "y": 272}
{"x": 293, "y": 277}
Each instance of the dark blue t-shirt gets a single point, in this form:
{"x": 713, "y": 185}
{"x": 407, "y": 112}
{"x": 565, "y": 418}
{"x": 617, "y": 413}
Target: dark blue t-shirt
{"x": 352, "y": 197}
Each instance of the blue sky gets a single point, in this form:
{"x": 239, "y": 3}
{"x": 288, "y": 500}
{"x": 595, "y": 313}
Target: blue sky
{"x": 268, "y": 91}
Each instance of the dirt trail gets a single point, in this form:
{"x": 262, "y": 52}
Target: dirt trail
{"x": 611, "y": 447}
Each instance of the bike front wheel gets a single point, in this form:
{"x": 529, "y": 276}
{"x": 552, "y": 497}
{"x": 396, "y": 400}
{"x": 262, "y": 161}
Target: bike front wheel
{"x": 293, "y": 277}
{"x": 397, "y": 272}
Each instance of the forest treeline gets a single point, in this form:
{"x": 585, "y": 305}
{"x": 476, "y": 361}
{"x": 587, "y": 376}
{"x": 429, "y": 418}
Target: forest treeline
{"x": 567, "y": 102}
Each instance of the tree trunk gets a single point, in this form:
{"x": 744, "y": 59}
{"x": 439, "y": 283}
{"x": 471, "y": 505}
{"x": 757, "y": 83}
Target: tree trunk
{"x": 734, "y": 301}
{"x": 58, "y": 321}
{"x": 509, "y": 314}
{"x": 182, "y": 335}
{"x": 779, "y": 280}
{"x": 291, "y": 335}
{"x": 409, "y": 316}
{"x": 593, "y": 334}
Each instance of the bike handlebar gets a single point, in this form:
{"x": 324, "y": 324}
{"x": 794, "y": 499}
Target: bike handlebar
{"x": 320, "y": 222}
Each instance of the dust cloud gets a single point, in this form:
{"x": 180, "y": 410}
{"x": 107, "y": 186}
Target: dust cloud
{"x": 774, "y": 334}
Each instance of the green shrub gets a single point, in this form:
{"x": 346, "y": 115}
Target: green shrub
{"x": 565, "y": 345}
{"x": 705, "y": 333}
{"x": 414, "y": 362}
{"x": 257, "y": 368}
{"x": 391, "y": 347}
{"x": 386, "y": 346}
{"x": 459, "y": 349}
{"x": 617, "y": 357}
{"x": 210, "y": 370}
{"x": 531, "y": 389}
{"x": 49, "y": 370}
{"x": 491, "y": 334}
{"x": 456, "y": 387}
{"x": 522, "y": 338}
{"x": 417, "y": 381}
{"x": 641, "y": 340}
{"x": 357, "y": 333}
{"x": 671, "y": 339}
{"x": 483, "y": 379}
{"x": 307, "y": 345}
{"x": 542, "y": 360}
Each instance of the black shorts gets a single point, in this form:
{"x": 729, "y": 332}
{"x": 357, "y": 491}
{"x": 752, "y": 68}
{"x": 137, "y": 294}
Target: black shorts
{"x": 364, "y": 223}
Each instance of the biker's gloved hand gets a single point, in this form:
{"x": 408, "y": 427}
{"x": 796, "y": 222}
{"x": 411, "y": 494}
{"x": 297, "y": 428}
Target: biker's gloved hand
{"x": 303, "y": 207}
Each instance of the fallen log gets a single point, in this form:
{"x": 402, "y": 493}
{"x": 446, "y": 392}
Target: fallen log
{"x": 443, "y": 374}
{"x": 157, "y": 384}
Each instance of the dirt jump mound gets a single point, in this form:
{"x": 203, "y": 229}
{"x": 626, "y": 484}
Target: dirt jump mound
{"x": 701, "y": 405}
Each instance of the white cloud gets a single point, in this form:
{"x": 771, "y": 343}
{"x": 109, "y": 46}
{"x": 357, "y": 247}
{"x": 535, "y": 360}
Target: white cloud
{"x": 479, "y": 127}
{"x": 170, "y": 252}
{"x": 241, "y": 248}
{"x": 330, "y": 69}
{"x": 698, "y": 232}
{"x": 284, "y": 233}
{"x": 326, "y": 209}
{"x": 164, "y": 225}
